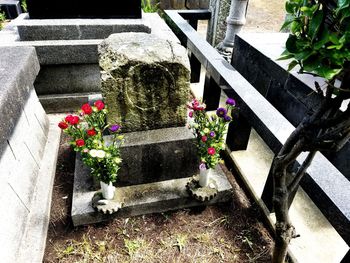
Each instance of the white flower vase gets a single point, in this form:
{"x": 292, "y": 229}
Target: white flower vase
{"x": 204, "y": 176}
{"x": 108, "y": 190}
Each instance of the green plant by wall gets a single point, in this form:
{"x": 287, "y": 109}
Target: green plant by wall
{"x": 24, "y": 5}
{"x": 149, "y": 6}
{"x": 2, "y": 19}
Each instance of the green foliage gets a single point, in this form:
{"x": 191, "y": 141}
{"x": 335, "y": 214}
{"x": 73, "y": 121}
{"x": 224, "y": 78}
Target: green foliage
{"x": 319, "y": 40}
{"x": 2, "y": 19}
{"x": 24, "y": 5}
{"x": 148, "y": 7}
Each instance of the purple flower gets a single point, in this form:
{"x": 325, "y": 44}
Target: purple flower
{"x": 227, "y": 118}
{"x": 221, "y": 112}
{"x": 202, "y": 166}
{"x": 114, "y": 128}
{"x": 230, "y": 101}
{"x": 212, "y": 134}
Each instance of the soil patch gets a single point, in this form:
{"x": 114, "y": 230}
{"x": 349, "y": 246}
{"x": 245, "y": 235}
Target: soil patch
{"x": 230, "y": 232}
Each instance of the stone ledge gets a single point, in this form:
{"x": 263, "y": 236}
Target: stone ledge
{"x": 18, "y": 69}
{"x": 141, "y": 199}
{"x": 68, "y": 29}
{"x": 65, "y": 102}
{"x": 34, "y": 238}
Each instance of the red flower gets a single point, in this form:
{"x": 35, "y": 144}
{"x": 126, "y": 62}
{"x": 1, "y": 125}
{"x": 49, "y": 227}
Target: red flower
{"x": 211, "y": 151}
{"x": 72, "y": 119}
{"x": 68, "y": 118}
{"x": 63, "y": 125}
{"x": 75, "y": 120}
{"x": 86, "y": 108}
{"x": 204, "y": 138}
{"x": 80, "y": 142}
{"x": 91, "y": 132}
{"x": 99, "y": 104}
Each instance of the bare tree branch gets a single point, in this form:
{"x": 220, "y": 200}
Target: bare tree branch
{"x": 301, "y": 171}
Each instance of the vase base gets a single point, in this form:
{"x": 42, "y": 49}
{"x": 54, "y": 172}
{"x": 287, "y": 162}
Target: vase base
{"x": 202, "y": 194}
{"x": 105, "y": 206}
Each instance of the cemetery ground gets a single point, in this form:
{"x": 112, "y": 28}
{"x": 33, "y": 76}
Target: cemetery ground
{"x": 229, "y": 232}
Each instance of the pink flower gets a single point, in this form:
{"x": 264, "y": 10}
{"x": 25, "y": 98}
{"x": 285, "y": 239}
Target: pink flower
{"x": 190, "y": 114}
{"x": 211, "y": 151}
{"x": 204, "y": 138}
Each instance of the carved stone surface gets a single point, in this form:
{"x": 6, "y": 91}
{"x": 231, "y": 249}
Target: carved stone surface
{"x": 106, "y": 206}
{"x": 145, "y": 81}
{"x": 202, "y": 193}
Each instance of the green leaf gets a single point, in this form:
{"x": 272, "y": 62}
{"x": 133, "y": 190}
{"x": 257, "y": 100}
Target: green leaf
{"x": 291, "y": 44}
{"x": 343, "y": 4}
{"x": 289, "y": 19}
{"x": 292, "y": 65}
{"x": 286, "y": 57}
{"x": 290, "y": 7}
{"x": 304, "y": 54}
{"x": 315, "y": 24}
{"x": 323, "y": 39}
{"x": 327, "y": 72}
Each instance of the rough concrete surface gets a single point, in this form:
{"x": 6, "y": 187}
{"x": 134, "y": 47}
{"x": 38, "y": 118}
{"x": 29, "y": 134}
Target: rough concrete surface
{"x": 145, "y": 81}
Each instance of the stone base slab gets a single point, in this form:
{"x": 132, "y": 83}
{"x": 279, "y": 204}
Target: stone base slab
{"x": 141, "y": 199}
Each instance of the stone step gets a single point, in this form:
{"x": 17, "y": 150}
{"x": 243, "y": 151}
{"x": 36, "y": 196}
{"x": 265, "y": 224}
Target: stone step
{"x": 142, "y": 199}
{"x": 69, "y": 29}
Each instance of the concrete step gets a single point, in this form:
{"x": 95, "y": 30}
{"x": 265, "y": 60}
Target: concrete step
{"x": 140, "y": 199}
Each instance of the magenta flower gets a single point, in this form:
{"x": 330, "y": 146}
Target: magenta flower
{"x": 114, "y": 128}
{"x": 230, "y": 101}
{"x": 221, "y": 112}
{"x": 190, "y": 114}
{"x": 211, "y": 151}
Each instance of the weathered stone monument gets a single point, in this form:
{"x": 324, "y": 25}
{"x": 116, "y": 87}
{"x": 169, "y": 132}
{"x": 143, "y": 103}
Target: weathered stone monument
{"x": 145, "y": 81}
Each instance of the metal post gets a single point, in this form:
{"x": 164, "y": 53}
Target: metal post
{"x": 235, "y": 22}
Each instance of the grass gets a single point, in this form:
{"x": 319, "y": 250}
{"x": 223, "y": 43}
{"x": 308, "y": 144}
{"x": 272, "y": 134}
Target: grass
{"x": 148, "y": 6}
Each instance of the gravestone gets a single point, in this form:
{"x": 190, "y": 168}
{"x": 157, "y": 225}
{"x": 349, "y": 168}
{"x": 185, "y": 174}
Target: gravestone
{"x": 44, "y": 9}
{"x": 145, "y": 81}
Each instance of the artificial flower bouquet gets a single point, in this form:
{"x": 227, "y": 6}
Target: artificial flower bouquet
{"x": 86, "y": 130}
{"x": 210, "y": 131}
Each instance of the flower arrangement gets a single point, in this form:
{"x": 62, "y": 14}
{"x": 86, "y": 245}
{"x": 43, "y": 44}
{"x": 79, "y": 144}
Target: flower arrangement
{"x": 86, "y": 130}
{"x": 210, "y": 131}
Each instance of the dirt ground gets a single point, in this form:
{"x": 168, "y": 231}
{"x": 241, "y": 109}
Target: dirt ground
{"x": 230, "y": 232}
{"x": 264, "y": 16}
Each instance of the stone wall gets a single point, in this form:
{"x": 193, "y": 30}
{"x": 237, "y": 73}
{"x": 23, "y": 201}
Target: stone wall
{"x": 23, "y": 136}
